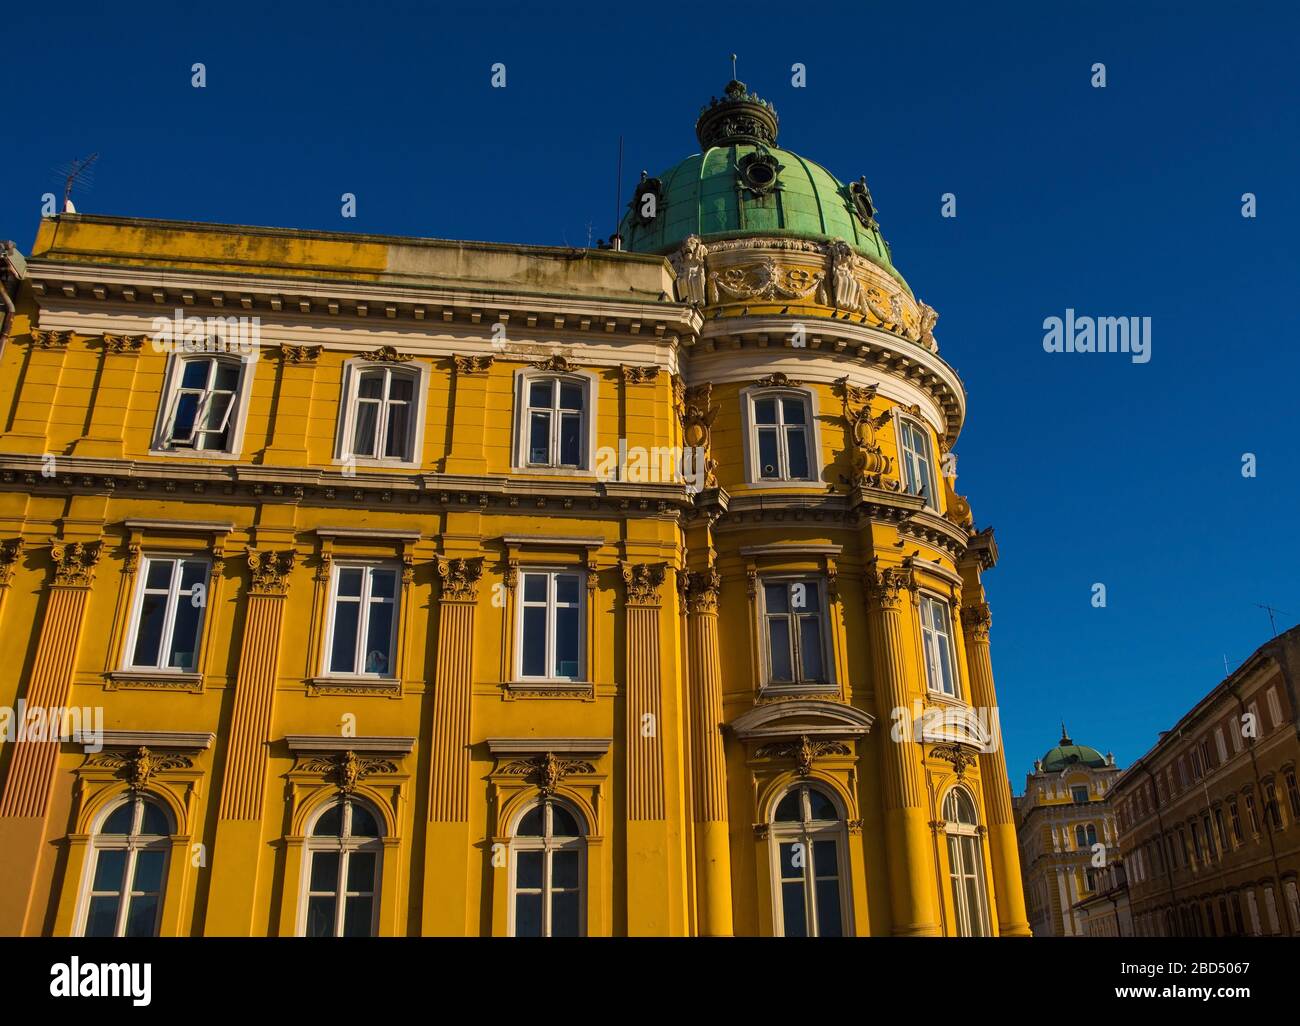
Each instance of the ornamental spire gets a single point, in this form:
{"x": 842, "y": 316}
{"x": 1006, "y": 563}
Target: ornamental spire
{"x": 740, "y": 116}
{"x": 1065, "y": 737}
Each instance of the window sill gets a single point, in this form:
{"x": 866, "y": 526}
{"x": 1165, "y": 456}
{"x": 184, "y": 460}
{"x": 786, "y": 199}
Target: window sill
{"x": 153, "y": 680}
{"x": 367, "y": 463}
{"x": 817, "y": 690}
{"x": 354, "y": 685}
{"x": 551, "y": 688}
{"x": 194, "y": 454}
{"x": 555, "y": 472}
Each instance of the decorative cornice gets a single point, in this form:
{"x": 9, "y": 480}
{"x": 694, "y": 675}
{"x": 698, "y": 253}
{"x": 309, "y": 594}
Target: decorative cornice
{"x": 345, "y": 770}
{"x": 473, "y": 364}
{"x": 10, "y": 551}
{"x": 74, "y": 563}
{"x": 547, "y": 770}
{"x": 50, "y": 339}
{"x": 635, "y": 375}
{"x": 459, "y": 578}
{"x": 129, "y": 344}
{"x": 300, "y": 354}
{"x": 139, "y": 765}
{"x": 270, "y": 571}
{"x": 804, "y": 751}
{"x": 387, "y": 354}
{"x": 643, "y": 581}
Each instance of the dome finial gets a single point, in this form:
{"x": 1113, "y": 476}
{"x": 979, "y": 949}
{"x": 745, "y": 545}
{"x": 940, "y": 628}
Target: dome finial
{"x": 733, "y": 67}
{"x": 1065, "y": 737}
{"x": 739, "y": 116}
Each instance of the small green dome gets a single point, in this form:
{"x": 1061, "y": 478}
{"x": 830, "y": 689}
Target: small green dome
{"x": 1067, "y": 754}
{"x": 742, "y": 183}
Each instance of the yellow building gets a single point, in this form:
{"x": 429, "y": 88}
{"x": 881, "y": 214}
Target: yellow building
{"x": 1069, "y": 847}
{"x": 401, "y": 586}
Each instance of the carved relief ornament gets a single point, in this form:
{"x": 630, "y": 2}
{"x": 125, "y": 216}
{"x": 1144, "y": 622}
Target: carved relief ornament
{"x": 884, "y": 586}
{"x": 698, "y": 415}
{"x": 345, "y": 770}
{"x": 74, "y": 562}
{"x": 868, "y": 462}
{"x": 10, "y": 551}
{"x": 547, "y": 771}
{"x": 122, "y": 343}
{"x": 473, "y": 364}
{"x": 804, "y": 752}
{"x": 300, "y": 354}
{"x": 459, "y": 578}
{"x": 643, "y": 581}
{"x": 138, "y": 766}
{"x": 270, "y": 571}
{"x": 700, "y": 589}
{"x": 767, "y": 280}
{"x": 42, "y": 339}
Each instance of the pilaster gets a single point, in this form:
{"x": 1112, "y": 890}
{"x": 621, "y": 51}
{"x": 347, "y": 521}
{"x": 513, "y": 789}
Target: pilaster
{"x": 112, "y": 400}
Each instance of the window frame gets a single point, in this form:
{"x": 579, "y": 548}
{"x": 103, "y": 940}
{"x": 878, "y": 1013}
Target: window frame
{"x": 966, "y": 839}
{"x": 904, "y": 420}
{"x": 552, "y": 605}
{"x": 349, "y": 403}
{"x": 828, "y": 680}
{"x": 590, "y": 385}
{"x": 807, "y": 831}
{"x": 548, "y": 846}
{"x": 749, "y": 435}
{"x": 237, "y": 415}
{"x": 365, "y": 601}
{"x": 139, "y": 589}
{"x": 958, "y": 691}
{"x": 133, "y": 843}
{"x": 347, "y": 845}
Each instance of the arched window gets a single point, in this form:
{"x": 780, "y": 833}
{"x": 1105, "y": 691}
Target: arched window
{"x": 343, "y": 855}
{"x": 548, "y": 867}
{"x": 127, "y": 870}
{"x": 1080, "y": 838}
{"x": 1092, "y": 835}
{"x": 965, "y": 864}
{"x": 809, "y": 859}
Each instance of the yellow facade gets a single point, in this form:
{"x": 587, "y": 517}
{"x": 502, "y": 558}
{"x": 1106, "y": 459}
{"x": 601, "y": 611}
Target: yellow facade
{"x": 665, "y": 734}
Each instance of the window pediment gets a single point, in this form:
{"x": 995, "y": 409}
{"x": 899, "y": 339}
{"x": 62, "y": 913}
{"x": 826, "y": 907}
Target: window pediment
{"x": 794, "y": 718}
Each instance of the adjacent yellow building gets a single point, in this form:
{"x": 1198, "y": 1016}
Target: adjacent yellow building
{"x": 400, "y": 586}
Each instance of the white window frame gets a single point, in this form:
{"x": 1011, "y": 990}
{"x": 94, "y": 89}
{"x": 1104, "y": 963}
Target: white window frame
{"x": 174, "y": 597}
{"x": 749, "y": 436}
{"x": 765, "y": 638}
{"x": 548, "y": 845}
{"x": 806, "y": 832}
{"x": 237, "y": 417}
{"x": 552, "y": 604}
{"x": 907, "y": 456}
{"x": 590, "y": 394}
{"x": 365, "y": 600}
{"x": 964, "y": 838}
{"x": 346, "y": 846}
{"x": 133, "y": 843}
{"x": 929, "y": 650}
{"x": 348, "y": 405}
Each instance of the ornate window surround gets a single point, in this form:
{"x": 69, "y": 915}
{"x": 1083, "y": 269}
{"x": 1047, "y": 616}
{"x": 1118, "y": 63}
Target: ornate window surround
{"x": 590, "y": 383}
{"x": 914, "y": 417}
{"x": 749, "y": 435}
{"x": 238, "y": 417}
{"x": 351, "y": 375}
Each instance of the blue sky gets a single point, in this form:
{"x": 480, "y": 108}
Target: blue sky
{"x": 1117, "y": 201}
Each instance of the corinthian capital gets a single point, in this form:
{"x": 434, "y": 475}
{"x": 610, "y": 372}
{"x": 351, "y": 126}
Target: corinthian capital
{"x": 643, "y": 581}
{"x": 884, "y": 585}
{"x": 270, "y": 571}
{"x": 700, "y": 589}
{"x": 976, "y": 618}
{"x": 9, "y": 553}
{"x": 459, "y": 578}
{"x": 74, "y": 562}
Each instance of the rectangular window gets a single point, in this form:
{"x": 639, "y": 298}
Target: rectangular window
{"x": 554, "y": 423}
{"x": 1080, "y": 793}
{"x": 1234, "y": 728}
{"x": 363, "y": 621}
{"x": 796, "y": 643}
{"x": 918, "y": 466}
{"x": 550, "y": 625}
{"x": 1250, "y": 813}
{"x": 1220, "y": 745}
{"x": 204, "y": 405}
{"x": 382, "y": 415}
{"x": 1234, "y": 816}
{"x": 937, "y": 642}
{"x": 1272, "y": 814}
{"x": 168, "y": 614}
{"x": 1293, "y": 794}
{"x": 1274, "y": 708}
{"x": 781, "y": 438}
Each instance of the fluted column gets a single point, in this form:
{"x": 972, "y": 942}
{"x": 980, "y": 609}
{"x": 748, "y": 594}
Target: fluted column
{"x": 239, "y": 844}
{"x": 649, "y": 851}
{"x": 708, "y": 756}
{"x": 913, "y": 888}
{"x": 447, "y": 849}
{"x": 1004, "y": 852}
{"x": 25, "y": 802}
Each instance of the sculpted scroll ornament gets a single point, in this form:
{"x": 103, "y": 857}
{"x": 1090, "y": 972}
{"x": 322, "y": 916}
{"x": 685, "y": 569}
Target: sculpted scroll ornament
{"x": 460, "y": 577}
{"x": 804, "y": 752}
{"x": 270, "y": 571}
{"x": 547, "y": 771}
{"x": 138, "y": 766}
{"x": 123, "y": 343}
{"x": 764, "y": 280}
{"x": 643, "y": 581}
{"x": 9, "y": 553}
{"x": 50, "y": 339}
{"x": 388, "y": 354}
{"x": 884, "y": 586}
{"x": 700, "y": 589}
{"x": 300, "y": 354}
{"x": 961, "y": 756}
{"x": 697, "y": 429}
{"x": 640, "y": 375}
{"x": 74, "y": 563}
{"x": 869, "y": 463}
{"x": 473, "y": 364}
{"x": 347, "y": 769}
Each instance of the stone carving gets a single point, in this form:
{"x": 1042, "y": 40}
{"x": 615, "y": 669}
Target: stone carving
{"x": 848, "y": 291}
{"x": 50, "y": 339}
{"x": 759, "y": 173}
{"x": 387, "y": 354}
{"x": 689, "y": 265}
{"x": 803, "y": 751}
{"x": 697, "y": 429}
{"x": 123, "y": 343}
{"x": 138, "y": 766}
{"x": 869, "y": 464}
{"x": 347, "y": 769}
{"x": 777, "y": 380}
{"x": 765, "y": 280}
{"x": 473, "y": 364}
{"x": 634, "y": 375}
{"x": 460, "y": 577}
{"x": 862, "y": 204}
{"x": 929, "y": 317}
{"x": 74, "y": 563}
{"x": 270, "y": 571}
{"x": 9, "y": 553}
{"x": 700, "y": 589}
{"x": 547, "y": 771}
{"x": 884, "y": 586}
{"x": 643, "y": 581}
{"x": 961, "y": 756}
{"x": 301, "y": 354}
{"x": 555, "y": 363}
{"x": 976, "y": 619}
{"x": 956, "y": 508}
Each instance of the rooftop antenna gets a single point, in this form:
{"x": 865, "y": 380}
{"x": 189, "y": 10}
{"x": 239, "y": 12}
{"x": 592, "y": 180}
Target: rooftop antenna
{"x": 1271, "y": 622}
{"x": 733, "y": 67}
{"x": 616, "y": 240}
{"x": 78, "y": 173}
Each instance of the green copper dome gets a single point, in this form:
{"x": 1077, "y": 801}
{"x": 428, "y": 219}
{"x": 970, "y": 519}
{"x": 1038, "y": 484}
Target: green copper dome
{"x": 1067, "y": 754}
{"x": 742, "y": 183}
